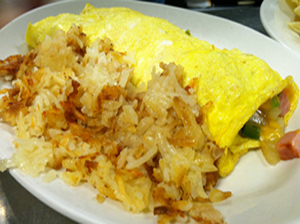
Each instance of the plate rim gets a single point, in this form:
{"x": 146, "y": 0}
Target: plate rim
{"x": 17, "y": 175}
{"x": 268, "y": 15}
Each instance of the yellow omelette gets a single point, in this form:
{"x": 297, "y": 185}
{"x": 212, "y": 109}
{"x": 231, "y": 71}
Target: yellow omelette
{"x": 235, "y": 84}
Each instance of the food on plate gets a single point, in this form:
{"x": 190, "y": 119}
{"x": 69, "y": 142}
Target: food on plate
{"x": 143, "y": 111}
{"x": 238, "y": 89}
{"x": 289, "y": 146}
{"x": 79, "y": 117}
{"x": 295, "y": 25}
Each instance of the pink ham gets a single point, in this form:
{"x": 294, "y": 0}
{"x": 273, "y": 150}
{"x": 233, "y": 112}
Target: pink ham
{"x": 285, "y": 104}
{"x": 289, "y": 145}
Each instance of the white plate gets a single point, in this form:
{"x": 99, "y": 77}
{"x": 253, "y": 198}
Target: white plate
{"x": 261, "y": 193}
{"x": 275, "y": 14}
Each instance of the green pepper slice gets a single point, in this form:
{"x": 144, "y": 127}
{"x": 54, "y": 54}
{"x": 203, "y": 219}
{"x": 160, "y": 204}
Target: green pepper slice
{"x": 251, "y": 131}
{"x": 275, "y": 102}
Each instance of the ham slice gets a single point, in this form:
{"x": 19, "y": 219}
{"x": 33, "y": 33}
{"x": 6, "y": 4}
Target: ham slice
{"x": 288, "y": 146}
{"x": 285, "y": 104}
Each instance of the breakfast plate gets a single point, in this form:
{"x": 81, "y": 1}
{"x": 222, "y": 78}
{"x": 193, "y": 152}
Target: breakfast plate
{"x": 261, "y": 193}
{"x": 275, "y": 16}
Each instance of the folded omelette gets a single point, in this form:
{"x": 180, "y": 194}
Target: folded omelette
{"x": 232, "y": 83}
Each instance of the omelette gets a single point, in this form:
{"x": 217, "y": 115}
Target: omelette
{"x": 231, "y": 86}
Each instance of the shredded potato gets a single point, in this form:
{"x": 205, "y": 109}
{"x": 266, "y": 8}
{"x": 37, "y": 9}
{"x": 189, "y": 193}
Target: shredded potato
{"x": 78, "y": 117}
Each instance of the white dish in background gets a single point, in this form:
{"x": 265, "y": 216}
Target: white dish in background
{"x": 275, "y": 14}
{"x": 260, "y": 193}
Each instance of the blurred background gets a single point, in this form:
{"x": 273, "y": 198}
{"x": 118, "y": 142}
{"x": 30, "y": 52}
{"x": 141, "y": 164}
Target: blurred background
{"x": 10, "y": 9}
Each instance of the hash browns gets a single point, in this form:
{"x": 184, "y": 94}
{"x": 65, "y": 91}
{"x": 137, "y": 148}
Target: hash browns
{"x": 78, "y": 117}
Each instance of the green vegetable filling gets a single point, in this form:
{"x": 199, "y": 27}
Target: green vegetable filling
{"x": 251, "y": 131}
{"x": 188, "y": 32}
{"x": 252, "y": 128}
{"x": 275, "y": 102}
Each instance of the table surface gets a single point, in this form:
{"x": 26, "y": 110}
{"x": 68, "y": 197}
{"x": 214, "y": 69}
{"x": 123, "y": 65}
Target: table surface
{"x": 19, "y": 206}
